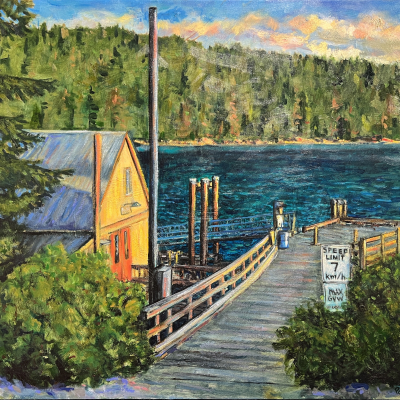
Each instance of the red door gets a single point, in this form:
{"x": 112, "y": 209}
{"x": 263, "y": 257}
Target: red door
{"x": 116, "y": 254}
{"x": 126, "y": 254}
{"x": 121, "y": 255}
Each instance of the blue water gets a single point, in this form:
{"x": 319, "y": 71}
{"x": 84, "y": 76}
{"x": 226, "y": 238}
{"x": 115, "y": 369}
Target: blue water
{"x": 306, "y": 177}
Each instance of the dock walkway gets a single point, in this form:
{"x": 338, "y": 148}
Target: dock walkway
{"x": 232, "y": 357}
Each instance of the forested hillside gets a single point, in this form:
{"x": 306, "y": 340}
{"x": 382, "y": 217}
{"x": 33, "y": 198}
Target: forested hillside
{"x": 219, "y": 92}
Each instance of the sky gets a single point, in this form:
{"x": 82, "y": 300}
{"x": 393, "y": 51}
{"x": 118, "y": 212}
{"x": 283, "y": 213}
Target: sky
{"x": 338, "y": 28}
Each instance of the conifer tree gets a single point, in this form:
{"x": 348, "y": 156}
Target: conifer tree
{"x": 23, "y": 184}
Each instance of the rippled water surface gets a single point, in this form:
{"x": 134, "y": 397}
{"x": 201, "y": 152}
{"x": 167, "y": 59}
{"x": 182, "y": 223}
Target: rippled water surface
{"x": 305, "y": 176}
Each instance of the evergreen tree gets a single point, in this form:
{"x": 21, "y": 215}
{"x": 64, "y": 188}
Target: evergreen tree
{"x": 92, "y": 110}
{"x": 23, "y": 184}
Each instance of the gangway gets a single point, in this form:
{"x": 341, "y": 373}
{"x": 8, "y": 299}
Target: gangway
{"x": 249, "y": 227}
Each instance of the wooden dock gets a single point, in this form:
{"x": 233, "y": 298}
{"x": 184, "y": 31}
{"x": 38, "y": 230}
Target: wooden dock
{"x": 232, "y": 356}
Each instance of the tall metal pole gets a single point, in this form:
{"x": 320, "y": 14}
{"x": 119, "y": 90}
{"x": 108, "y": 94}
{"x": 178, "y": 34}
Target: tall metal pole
{"x": 192, "y": 214}
{"x": 205, "y": 182}
{"x": 153, "y": 139}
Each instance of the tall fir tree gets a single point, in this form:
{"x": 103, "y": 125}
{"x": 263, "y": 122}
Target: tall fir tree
{"x": 24, "y": 185}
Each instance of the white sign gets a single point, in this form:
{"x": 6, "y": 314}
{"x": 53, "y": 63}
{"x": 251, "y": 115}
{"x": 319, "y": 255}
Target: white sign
{"x": 335, "y": 294}
{"x": 335, "y": 262}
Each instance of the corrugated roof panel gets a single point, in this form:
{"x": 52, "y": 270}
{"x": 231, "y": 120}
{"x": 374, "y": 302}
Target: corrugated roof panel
{"x": 70, "y": 207}
{"x": 71, "y": 241}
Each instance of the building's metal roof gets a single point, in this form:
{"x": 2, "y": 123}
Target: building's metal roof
{"x": 71, "y": 241}
{"x": 71, "y": 207}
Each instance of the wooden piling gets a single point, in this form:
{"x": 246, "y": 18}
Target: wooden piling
{"x": 272, "y": 237}
{"x": 315, "y": 236}
{"x": 398, "y": 240}
{"x": 340, "y": 208}
{"x": 344, "y": 209}
{"x": 334, "y": 210}
{"x": 383, "y": 246}
{"x": 294, "y": 223}
{"x": 191, "y": 225}
{"x": 355, "y": 239}
{"x": 215, "y": 195}
{"x": 204, "y": 221}
{"x": 363, "y": 252}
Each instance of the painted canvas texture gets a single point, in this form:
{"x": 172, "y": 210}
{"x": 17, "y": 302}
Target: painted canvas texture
{"x": 199, "y": 199}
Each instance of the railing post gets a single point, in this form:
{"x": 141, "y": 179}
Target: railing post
{"x": 398, "y": 240}
{"x": 383, "y": 246}
{"x": 355, "y": 239}
{"x": 315, "y": 236}
{"x": 221, "y": 282}
{"x": 233, "y": 276}
{"x": 209, "y": 300}
{"x": 363, "y": 253}
{"x": 170, "y": 327}
{"x": 215, "y": 195}
{"x": 203, "y": 222}
{"x": 156, "y": 323}
{"x": 192, "y": 213}
{"x": 190, "y": 300}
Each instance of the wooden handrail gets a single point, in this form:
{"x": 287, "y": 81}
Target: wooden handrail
{"x": 321, "y": 224}
{"x": 162, "y": 305}
{"x": 228, "y": 282}
{"x": 378, "y": 247}
{"x": 208, "y": 295}
{"x": 371, "y": 221}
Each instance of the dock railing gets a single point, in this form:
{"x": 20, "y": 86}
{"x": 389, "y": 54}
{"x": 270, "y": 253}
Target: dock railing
{"x": 376, "y": 248}
{"x": 173, "y": 319}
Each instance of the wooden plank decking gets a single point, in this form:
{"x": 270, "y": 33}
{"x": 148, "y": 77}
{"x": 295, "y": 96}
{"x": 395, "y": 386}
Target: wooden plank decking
{"x": 232, "y": 357}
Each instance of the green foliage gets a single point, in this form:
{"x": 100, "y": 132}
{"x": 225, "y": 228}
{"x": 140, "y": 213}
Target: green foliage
{"x": 65, "y": 318}
{"x": 218, "y": 92}
{"x": 15, "y": 17}
{"x": 327, "y": 349}
{"x": 23, "y": 184}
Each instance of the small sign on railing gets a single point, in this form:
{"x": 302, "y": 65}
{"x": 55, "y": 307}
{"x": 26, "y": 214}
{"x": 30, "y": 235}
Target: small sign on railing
{"x": 336, "y": 269}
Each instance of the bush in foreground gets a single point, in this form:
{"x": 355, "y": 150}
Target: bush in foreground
{"x": 327, "y": 350}
{"x": 65, "y": 318}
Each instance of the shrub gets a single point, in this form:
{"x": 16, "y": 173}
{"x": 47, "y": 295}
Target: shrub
{"x": 327, "y": 349}
{"x": 65, "y": 318}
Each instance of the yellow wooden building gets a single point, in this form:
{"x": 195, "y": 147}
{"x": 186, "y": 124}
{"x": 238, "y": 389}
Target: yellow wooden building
{"x": 102, "y": 205}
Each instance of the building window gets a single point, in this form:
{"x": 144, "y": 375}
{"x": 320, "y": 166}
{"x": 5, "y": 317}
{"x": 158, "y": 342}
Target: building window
{"x": 126, "y": 245}
{"x": 116, "y": 252}
{"x": 128, "y": 181}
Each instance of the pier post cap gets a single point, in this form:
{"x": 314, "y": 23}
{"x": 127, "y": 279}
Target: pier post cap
{"x": 215, "y": 178}
{"x": 205, "y": 180}
{"x": 193, "y": 180}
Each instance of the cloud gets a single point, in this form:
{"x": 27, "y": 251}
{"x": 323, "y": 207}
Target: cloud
{"x": 371, "y": 36}
{"x": 93, "y": 18}
{"x": 228, "y": 28}
{"x": 322, "y": 49}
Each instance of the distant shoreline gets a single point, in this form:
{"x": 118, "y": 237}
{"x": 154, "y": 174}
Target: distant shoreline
{"x": 239, "y": 142}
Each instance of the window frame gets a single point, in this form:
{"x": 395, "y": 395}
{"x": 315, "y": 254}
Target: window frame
{"x": 128, "y": 184}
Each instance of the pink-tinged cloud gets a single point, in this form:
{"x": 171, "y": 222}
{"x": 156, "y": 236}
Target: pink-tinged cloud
{"x": 369, "y": 26}
{"x": 374, "y": 36}
{"x": 287, "y": 41}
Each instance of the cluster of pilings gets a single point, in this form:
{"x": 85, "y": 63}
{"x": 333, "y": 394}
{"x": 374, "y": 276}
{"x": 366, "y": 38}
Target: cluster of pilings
{"x": 338, "y": 208}
{"x": 203, "y": 187}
